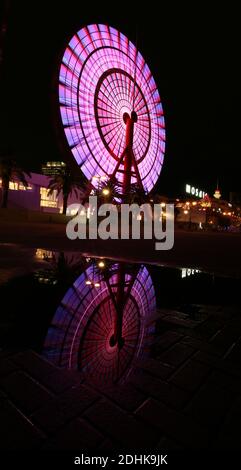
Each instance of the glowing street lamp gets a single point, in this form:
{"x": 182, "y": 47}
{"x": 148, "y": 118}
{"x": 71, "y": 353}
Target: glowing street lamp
{"x": 106, "y": 192}
{"x": 101, "y": 264}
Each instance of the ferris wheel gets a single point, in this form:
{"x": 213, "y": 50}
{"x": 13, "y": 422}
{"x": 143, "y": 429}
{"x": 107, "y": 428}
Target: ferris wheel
{"x": 111, "y": 109}
{"x": 103, "y": 323}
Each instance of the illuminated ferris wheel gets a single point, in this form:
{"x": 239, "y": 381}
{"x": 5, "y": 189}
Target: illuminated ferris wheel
{"x": 111, "y": 109}
{"x": 103, "y": 323}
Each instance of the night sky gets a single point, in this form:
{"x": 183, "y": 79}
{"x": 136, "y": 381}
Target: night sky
{"x": 194, "y": 56}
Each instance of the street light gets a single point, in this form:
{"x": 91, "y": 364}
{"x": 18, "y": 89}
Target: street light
{"x": 101, "y": 264}
{"x": 105, "y": 191}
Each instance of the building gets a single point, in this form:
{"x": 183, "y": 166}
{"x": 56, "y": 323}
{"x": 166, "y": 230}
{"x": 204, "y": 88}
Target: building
{"x": 36, "y": 195}
{"x": 52, "y": 168}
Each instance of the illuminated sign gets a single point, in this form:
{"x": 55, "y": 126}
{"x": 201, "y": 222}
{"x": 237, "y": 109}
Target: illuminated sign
{"x": 196, "y": 192}
{"x": 186, "y": 272}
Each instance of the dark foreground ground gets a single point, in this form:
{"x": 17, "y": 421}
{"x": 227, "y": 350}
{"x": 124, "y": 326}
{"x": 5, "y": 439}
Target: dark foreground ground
{"x": 186, "y": 396}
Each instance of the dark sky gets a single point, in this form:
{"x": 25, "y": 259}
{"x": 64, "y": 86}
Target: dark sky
{"x": 193, "y": 53}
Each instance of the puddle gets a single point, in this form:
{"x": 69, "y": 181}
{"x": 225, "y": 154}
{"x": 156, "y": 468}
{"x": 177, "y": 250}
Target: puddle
{"x": 100, "y": 316}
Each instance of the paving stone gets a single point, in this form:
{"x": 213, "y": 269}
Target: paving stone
{"x": 208, "y": 328}
{"x": 35, "y": 365}
{"x": 235, "y": 354}
{"x": 166, "y": 392}
{"x": 227, "y": 442}
{"x": 60, "y": 380}
{"x": 124, "y": 428}
{"x": 16, "y": 432}
{"x": 75, "y": 436}
{"x": 3, "y": 395}
{"x": 210, "y": 405}
{"x": 156, "y": 368}
{"x": 176, "y": 355}
{"x": 108, "y": 445}
{"x": 200, "y": 345}
{"x": 225, "y": 338}
{"x": 7, "y": 367}
{"x": 7, "y": 353}
{"x": 220, "y": 379}
{"x": 221, "y": 364}
{"x": 178, "y": 318}
{"x": 174, "y": 424}
{"x": 167, "y": 340}
{"x": 64, "y": 408}
{"x": 24, "y": 391}
{"x": 191, "y": 375}
{"x": 206, "y": 358}
{"x": 126, "y": 396}
{"x": 168, "y": 444}
{"x": 229, "y": 436}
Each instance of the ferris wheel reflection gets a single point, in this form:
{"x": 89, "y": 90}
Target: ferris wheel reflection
{"x": 104, "y": 322}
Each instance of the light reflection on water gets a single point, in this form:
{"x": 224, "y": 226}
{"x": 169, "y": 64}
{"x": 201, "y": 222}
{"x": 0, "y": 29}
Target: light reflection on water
{"x": 104, "y": 322}
{"x": 95, "y": 315}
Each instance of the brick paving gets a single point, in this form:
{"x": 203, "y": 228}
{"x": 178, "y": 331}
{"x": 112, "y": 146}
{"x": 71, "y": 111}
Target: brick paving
{"x": 186, "y": 395}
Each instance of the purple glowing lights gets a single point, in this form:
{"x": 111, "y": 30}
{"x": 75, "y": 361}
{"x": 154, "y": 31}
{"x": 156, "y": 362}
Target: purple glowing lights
{"x": 102, "y": 76}
{"x": 81, "y": 329}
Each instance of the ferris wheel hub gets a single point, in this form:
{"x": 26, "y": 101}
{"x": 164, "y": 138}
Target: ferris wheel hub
{"x": 133, "y": 117}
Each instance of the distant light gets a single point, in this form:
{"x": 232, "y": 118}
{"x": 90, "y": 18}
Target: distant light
{"x": 88, "y": 283}
{"x": 106, "y": 191}
{"x": 97, "y": 284}
{"x": 217, "y": 194}
{"x": 185, "y": 212}
{"x": 194, "y": 203}
{"x": 163, "y": 204}
{"x": 101, "y": 264}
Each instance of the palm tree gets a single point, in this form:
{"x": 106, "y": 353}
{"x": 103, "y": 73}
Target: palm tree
{"x": 9, "y": 170}
{"x": 65, "y": 182}
{"x": 136, "y": 195}
{"x": 108, "y": 191}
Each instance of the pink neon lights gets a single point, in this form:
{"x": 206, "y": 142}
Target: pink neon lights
{"x": 79, "y": 336}
{"x": 102, "y": 76}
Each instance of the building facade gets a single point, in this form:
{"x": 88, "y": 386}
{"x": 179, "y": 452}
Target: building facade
{"x": 36, "y": 195}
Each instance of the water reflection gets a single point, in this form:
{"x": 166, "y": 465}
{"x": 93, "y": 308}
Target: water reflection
{"x": 103, "y": 323}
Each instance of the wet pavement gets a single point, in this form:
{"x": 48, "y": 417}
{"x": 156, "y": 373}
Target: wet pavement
{"x": 72, "y": 379}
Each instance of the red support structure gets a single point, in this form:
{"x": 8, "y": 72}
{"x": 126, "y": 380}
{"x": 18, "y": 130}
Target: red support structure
{"x": 129, "y": 159}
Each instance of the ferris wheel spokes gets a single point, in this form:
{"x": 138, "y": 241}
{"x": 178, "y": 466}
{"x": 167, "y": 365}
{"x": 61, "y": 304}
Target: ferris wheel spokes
{"x": 103, "y": 82}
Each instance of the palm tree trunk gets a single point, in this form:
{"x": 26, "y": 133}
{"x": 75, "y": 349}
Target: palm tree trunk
{"x": 5, "y": 188}
{"x": 65, "y": 201}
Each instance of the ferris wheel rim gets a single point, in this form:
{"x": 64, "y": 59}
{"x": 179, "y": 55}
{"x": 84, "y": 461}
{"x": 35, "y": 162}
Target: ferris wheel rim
{"x": 150, "y": 137}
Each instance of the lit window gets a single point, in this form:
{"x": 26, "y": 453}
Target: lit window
{"x": 15, "y": 186}
{"x": 48, "y": 200}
